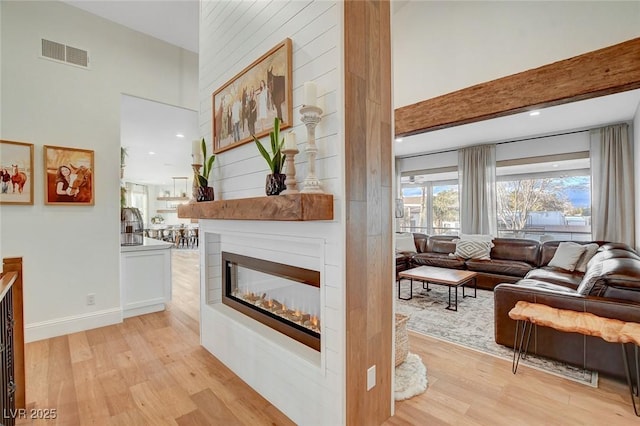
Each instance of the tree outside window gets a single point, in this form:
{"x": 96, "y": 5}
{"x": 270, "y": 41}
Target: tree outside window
{"x": 446, "y": 208}
{"x": 431, "y": 208}
{"x": 530, "y": 206}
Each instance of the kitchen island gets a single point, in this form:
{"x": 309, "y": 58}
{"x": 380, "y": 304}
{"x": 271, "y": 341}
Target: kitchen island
{"x": 145, "y": 277}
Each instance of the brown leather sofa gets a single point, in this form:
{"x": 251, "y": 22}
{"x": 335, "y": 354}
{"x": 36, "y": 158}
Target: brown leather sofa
{"x": 614, "y": 272}
{"x": 511, "y": 259}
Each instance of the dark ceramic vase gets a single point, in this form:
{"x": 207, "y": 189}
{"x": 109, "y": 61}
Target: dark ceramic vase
{"x": 205, "y": 193}
{"x": 275, "y": 184}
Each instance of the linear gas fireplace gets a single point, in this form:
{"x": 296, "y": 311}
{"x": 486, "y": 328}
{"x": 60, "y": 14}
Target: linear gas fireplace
{"x": 283, "y": 297}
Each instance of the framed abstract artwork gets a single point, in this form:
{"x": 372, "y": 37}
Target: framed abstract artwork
{"x": 68, "y": 176}
{"x": 248, "y": 103}
{"x": 16, "y": 172}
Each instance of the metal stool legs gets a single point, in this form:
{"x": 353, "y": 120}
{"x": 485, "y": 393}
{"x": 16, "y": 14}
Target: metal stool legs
{"x": 634, "y": 392}
{"x": 519, "y": 348}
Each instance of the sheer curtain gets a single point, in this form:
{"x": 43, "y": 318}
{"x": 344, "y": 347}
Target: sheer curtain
{"x": 612, "y": 188}
{"x": 477, "y": 181}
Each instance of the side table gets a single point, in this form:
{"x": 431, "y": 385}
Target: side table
{"x": 528, "y": 314}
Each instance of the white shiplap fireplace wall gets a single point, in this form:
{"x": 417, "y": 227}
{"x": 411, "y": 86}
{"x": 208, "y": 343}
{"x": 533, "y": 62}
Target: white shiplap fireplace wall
{"x": 308, "y": 386}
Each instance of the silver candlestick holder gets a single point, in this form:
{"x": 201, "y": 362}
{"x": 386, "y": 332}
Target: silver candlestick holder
{"x": 290, "y": 181}
{"x": 311, "y": 116}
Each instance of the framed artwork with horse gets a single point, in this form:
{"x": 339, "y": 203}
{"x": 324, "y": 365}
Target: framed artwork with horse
{"x": 248, "y": 103}
{"x": 16, "y": 172}
{"x": 68, "y": 176}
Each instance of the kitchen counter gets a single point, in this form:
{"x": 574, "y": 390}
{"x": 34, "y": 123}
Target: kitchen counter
{"x": 148, "y": 244}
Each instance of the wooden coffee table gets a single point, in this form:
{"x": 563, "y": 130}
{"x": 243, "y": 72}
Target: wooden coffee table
{"x": 452, "y": 278}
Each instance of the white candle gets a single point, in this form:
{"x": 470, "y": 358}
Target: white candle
{"x": 196, "y": 152}
{"x": 290, "y": 141}
{"x": 310, "y": 95}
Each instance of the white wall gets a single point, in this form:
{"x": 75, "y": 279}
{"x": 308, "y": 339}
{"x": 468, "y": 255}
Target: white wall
{"x": 72, "y": 251}
{"x": 241, "y": 172}
{"x": 440, "y": 47}
{"x": 232, "y": 36}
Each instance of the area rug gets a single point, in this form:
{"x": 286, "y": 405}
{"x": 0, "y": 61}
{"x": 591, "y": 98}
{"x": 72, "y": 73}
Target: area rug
{"x": 472, "y": 327}
{"x": 410, "y": 378}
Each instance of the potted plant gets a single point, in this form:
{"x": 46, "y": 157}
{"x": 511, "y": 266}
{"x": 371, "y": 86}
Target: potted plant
{"x": 201, "y": 179}
{"x": 123, "y": 189}
{"x": 275, "y": 181}
{"x": 123, "y": 196}
{"x": 157, "y": 220}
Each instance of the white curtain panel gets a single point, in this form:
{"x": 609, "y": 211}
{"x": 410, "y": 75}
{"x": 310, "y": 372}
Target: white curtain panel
{"x": 477, "y": 181}
{"x": 612, "y": 188}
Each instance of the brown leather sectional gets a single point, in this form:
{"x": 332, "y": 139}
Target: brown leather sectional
{"x": 403, "y": 259}
{"x": 615, "y": 274}
{"x": 511, "y": 259}
{"x": 518, "y": 270}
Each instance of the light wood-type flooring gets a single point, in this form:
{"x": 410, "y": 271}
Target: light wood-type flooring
{"x": 151, "y": 370}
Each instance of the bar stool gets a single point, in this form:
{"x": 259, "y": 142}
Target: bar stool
{"x": 181, "y": 239}
{"x": 193, "y": 237}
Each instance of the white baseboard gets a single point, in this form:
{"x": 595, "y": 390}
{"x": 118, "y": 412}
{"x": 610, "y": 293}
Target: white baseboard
{"x": 143, "y": 310}
{"x": 72, "y": 324}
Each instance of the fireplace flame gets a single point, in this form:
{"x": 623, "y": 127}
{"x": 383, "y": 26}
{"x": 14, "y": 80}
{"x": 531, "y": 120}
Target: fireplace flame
{"x": 295, "y": 315}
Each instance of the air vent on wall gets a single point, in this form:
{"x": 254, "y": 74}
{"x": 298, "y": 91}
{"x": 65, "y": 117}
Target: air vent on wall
{"x": 63, "y": 53}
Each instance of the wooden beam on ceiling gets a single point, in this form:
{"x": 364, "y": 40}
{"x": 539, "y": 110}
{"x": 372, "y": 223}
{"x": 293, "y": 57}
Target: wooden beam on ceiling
{"x": 601, "y": 72}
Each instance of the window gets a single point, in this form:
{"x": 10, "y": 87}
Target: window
{"x": 431, "y": 203}
{"x": 545, "y": 200}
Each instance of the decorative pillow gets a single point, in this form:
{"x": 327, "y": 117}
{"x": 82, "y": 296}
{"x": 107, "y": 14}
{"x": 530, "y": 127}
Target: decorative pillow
{"x": 589, "y": 251}
{"x": 405, "y": 243}
{"x": 471, "y": 249}
{"x": 567, "y": 255}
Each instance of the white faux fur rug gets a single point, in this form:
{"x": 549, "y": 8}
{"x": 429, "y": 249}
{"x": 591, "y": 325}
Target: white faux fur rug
{"x": 411, "y": 378}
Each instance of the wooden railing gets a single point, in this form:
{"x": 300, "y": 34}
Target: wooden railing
{"x": 12, "y": 387}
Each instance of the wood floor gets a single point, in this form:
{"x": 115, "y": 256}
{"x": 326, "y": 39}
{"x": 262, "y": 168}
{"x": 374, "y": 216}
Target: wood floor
{"x": 151, "y": 370}
{"x": 470, "y": 388}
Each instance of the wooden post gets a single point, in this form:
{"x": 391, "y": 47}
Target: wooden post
{"x": 14, "y": 264}
{"x": 368, "y": 203}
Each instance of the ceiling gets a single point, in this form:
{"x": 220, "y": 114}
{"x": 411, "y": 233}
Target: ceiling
{"x": 173, "y": 21}
{"x": 148, "y": 126}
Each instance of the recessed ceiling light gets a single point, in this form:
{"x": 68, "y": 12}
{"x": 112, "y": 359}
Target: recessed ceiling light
{"x": 534, "y": 113}
{"x": 554, "y": 165}
{"x": 398, "y": 139}
{"x": 179, "y": 135}
{"x": 152, "y": 153}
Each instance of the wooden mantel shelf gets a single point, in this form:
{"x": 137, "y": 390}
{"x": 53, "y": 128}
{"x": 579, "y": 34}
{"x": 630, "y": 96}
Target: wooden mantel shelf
{"x": 295, "y": 207}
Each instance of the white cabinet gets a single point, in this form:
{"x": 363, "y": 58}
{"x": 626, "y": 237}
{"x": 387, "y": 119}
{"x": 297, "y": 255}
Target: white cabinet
{"x": 145, "y": 277}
